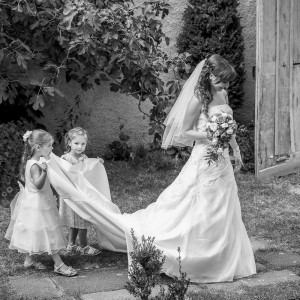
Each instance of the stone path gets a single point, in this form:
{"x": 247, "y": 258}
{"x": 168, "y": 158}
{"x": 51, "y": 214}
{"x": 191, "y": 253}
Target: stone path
{"x": 108, "y": 283}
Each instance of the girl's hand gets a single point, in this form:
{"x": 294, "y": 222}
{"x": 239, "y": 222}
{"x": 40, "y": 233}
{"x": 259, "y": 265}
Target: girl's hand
{"x": 100, "y": 160}
{"x": 44, "y": 166}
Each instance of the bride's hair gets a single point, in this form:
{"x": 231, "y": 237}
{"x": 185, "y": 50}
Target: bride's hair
{"x": 221, "y": 69}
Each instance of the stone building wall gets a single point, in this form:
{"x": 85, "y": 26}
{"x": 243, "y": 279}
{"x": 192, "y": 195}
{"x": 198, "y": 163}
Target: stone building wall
{"x": 104, "y": 111}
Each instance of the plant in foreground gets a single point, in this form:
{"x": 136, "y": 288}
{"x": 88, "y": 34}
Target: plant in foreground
{"x": 144, "y": 272}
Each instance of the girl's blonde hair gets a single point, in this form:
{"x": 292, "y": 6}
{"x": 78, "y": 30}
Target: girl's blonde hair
{"x": 37, "y": 137}
{"x": 69, "y": 136}
{"x": 220, "y": 68}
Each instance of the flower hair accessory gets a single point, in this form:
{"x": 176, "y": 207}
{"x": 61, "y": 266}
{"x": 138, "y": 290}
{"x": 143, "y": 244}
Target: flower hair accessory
{"x": 26, "y": 135}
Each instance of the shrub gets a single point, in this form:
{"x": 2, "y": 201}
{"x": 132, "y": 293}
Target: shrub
{"x": 213, "y": 26}
{"x": 177, "y": 288}
{"x": 144, "y": 272}
{"x": 153, "y": 159}
{"x": 11, "y": 148}
{"x": 147, "y": 262}
{"x": 119, "y": 149}
{"x": 245, "y": 138}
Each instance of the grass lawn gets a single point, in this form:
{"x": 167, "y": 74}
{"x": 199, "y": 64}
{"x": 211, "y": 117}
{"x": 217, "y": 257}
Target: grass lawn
{"x": 269, "y": 211}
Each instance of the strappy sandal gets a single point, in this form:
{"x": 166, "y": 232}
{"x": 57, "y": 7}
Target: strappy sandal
{"x": 70, "y": 272}
{"x": 71, "y": 249}
{"x": 35, "y": 265}
{"x": 88, "y": 250}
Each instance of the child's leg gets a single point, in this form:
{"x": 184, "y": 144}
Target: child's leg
{"x": 82, "y": 237}
{"x": 72, "y": 236}
{"x": 61, "y": 268}
{"x": 83, "y": 248}
{"x": 28, "y": 259}
{"x": 30, "y": 263}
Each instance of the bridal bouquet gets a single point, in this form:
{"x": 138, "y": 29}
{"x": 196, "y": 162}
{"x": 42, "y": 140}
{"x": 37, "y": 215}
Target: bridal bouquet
{"x": 220, "y": 127}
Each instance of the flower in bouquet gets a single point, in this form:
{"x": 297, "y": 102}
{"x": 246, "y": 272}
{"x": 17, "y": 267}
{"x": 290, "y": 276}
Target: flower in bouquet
{"x": 220, "y": 128}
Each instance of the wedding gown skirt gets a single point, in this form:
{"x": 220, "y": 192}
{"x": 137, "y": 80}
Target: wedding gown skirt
{"x": 199, "y": 212}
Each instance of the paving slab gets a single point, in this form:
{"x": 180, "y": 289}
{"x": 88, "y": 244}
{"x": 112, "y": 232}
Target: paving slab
{"x": 35, "y": 286}
{"x": 113, "y": 295}
{"x": 93, "y": 281}
{"x": 272, "y": 277}
{"x": 122, "y": 294}
{"x": 267, "y": 278}
{"x": 281, "y": 260}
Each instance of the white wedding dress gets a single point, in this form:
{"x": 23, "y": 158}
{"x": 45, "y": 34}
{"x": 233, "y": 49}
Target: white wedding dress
{"x": 199, "y": 212}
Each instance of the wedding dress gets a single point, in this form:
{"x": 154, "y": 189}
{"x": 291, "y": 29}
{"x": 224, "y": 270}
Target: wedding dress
{"x": 199, "y": 212}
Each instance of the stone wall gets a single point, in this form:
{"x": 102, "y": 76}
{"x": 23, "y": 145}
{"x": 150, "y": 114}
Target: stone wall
{"x": 105, "y": 111}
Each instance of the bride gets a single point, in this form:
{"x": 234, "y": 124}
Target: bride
{"x": 199, "y": 212}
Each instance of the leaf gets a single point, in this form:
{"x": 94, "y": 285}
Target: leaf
{"x": 141, "y": 42}
{"x": 61, "y": 39}
{"x": 3, "y": 96}
{"x": 167, "y": 39}
{"x": 103, "y": 77}
{"x": 106, "y": 37}
{"x": 37, "y": 100}
{"x": 69, "y": 7}
{"x": 34, "y": 25}
{"x": 21, "y": 61}
{"x": 59, "y": 93}
{"x": 68, "y": 19}
{"x": 115, "y": 45}
{"x": 114, "y": 87}
{"x": 1, "y": 54}
{"x": 49, "y": 90}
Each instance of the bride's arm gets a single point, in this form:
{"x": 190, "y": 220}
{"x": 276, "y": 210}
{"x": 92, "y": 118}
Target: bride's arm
{"x": 191, "y": 116}
{"x": 236, "y": 152}
{"x": 233, "y": 143}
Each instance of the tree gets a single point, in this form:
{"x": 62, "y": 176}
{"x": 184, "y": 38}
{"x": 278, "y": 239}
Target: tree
{"x": 213, "y": 26}
{"x": 99, "y": 40}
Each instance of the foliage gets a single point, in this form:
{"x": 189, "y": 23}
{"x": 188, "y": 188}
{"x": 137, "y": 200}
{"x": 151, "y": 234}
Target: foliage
{"x": 11, "y": 148}
{"x": 144, "y": 272}
{"x": 153, "y": 159}
{"x": 147, "y": 262}
{"x": 213, "y": 26}
{"x": 245, "y": 138}
{"x": 72, "y": 118}
{"x": 177, "y": 288}
{"x": 89, "y": 42}
{"x": 119, "y": 149}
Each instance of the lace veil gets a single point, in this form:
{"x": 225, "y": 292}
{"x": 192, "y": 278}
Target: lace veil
{"x": 174, "y": 120}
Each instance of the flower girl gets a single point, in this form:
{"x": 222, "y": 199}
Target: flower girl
{"x": 75, "y": 142}
{"x": 35, "y": 224}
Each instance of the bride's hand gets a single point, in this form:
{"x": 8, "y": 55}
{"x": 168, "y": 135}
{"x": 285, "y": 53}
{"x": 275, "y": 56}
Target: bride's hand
{"x": 100, "y": 160}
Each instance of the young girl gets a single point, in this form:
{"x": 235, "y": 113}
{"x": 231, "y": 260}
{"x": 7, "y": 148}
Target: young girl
{"x": 75, "y": 143}
{"x": 35, "y": 225}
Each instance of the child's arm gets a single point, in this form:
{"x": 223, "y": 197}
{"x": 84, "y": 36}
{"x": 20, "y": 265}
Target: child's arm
{"x": 38, "y": 175}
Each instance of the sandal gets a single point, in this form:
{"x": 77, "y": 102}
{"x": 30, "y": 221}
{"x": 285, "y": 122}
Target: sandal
{"x": 70, "y": 249}
{"x": 69, "y": 272}
{"x": 35, "y": 265}
{"x": 88, "y": 250}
